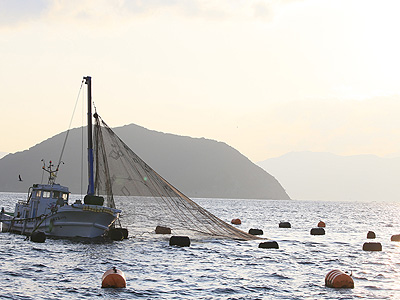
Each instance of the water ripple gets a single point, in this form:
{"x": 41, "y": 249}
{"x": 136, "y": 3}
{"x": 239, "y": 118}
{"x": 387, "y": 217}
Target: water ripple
{"x": 214, "y": 268}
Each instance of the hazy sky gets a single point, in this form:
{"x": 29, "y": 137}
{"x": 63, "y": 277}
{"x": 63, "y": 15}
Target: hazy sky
{"x": 266, "y": 77}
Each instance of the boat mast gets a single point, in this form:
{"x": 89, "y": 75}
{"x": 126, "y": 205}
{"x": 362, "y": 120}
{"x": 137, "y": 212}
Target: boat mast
{"x": 88, "y": 81}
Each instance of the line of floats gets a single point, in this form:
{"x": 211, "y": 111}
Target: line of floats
{"x": 335, "y": 278}
{"x": 115, "y": 278}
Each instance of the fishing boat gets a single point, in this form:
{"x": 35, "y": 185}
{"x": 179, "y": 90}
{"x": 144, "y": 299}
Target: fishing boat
{"x": 113, "y": 169}
{"x": 47, "y": 208}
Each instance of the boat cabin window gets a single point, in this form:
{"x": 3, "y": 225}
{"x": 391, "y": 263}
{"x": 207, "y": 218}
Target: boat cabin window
{"x": 46, "y": 194}
{"x": 38, "y": 193}
{"x": 56, "y": 194}
{"x": 65, "y": 196}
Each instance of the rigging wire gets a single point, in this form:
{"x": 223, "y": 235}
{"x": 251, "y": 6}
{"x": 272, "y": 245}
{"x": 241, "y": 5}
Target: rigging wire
{"x": 69, "y": 127}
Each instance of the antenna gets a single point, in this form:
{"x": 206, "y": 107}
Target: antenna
{"x": 52, "y": 172}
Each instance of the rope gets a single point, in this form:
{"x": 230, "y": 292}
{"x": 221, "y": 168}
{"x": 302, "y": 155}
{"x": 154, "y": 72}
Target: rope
{"x": 13, "y": 220}
{"x": 38, "y": 225}
{"x": 69, "y": 127}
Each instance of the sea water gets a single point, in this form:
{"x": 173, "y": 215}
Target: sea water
{"x": 215, "y": 268}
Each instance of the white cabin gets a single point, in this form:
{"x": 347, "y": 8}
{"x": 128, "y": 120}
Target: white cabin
{"x": 43, "y": 198}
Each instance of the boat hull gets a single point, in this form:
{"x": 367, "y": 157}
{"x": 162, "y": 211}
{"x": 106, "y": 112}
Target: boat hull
{"x": 87, "y": 221}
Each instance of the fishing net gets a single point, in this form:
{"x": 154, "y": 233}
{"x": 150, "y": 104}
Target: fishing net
{"x": 119, "y": 171}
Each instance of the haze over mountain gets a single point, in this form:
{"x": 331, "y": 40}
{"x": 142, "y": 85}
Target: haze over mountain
{"x": 326, "y": 176}
{"x": 197, "y": 166}
{"x": 2, "y": 154}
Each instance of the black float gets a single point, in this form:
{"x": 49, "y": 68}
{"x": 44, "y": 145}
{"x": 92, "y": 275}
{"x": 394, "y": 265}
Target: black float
{"x": 285, "y": 225}
{"x": 317, "y": 231}
{"x": 254, "y": 231}
{"x": 38, "y": 237}
{"x": 116, "y": 234}
{"x": 93, "y": 200}
{"x": 163, "y": 230}
{"x": 181, "y": 241}
{"x": 124, "y": 232}
{"x": 372, "y": 246}
{"x": 269, "y": 245}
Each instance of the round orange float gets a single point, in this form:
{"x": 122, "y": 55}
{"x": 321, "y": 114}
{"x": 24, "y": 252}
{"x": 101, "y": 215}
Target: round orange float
{"x": 236, "y": 221}
{"x": 113, "y": 278}
{"x": 321, "y": 224}
{"x": 395, "y": 238}
{"x": 338, "y": 279}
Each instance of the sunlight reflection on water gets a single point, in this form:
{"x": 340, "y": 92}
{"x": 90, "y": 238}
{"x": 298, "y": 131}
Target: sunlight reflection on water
{"x": 217, "y": 269}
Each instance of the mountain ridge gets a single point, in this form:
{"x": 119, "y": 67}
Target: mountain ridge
{"x": 198, "y": 167}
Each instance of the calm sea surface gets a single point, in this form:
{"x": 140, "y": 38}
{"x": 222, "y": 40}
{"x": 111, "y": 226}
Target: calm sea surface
{"x": 217, "y": 269}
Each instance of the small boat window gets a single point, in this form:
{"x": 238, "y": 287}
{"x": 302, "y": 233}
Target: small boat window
{"x": 46, "y": 194}
{"x": 38, "y": 193}
{"x": 56, "y": 194}
{"x": 65, "y": 196}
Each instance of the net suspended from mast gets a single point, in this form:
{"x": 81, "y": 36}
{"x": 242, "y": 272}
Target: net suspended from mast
{"x": 119, "y": 171}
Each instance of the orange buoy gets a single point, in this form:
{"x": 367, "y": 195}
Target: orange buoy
{"x": 371, "y": 235}
{"x": 113, "y": 278}
{"x": 321, "y": 224}
{"x": 338, "y": 279}
{"x": 395, "y": 238}
{"x": 236, "y": 221}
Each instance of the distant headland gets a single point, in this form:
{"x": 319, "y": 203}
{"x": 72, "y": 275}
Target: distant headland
{"x": 198, "y": 167}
